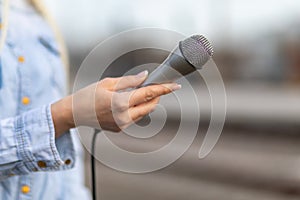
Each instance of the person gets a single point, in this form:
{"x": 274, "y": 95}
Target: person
{"x": 40, "y": 155}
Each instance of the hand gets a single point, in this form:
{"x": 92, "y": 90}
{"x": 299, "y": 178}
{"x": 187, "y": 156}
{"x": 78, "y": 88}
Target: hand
{"x": 108, "y": 104}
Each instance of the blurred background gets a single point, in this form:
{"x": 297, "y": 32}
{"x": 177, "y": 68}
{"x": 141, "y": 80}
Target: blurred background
{"x": 257, "y": 50}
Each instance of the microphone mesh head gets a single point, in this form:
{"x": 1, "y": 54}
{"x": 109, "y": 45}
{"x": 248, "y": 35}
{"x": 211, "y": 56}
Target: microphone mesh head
{"x": 196, "y": 50}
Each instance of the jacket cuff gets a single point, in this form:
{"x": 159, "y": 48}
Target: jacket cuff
{"x": 37, "y": 146}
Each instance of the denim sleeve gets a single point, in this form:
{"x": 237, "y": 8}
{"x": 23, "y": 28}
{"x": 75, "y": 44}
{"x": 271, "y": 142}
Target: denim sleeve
{"x": 28, "y": 144}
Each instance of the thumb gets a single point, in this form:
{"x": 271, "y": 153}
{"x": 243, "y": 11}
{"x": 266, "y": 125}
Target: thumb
{"x": 132, "y": 81}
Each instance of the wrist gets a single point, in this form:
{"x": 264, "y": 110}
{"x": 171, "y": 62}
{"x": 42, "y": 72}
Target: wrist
{"x": 62, "y": 115}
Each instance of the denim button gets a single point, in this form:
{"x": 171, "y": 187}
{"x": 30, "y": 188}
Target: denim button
{"x": 68, "y": 161}
{"x": 41, "y": 164}
{"x": 25, "y": 100}
{"x": 21, "y": 59}
{"x": 25, "y": 189}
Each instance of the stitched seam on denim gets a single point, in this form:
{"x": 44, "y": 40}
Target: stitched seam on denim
{"x": 58, "y": 161}
{"x": 1, "y": 79}
{"x": 20, "y": 146}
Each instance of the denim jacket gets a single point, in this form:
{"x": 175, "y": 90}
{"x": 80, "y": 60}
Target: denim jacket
{"x": 33, "y": 163}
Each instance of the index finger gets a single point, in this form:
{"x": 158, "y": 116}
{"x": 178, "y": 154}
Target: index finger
{"x": 148, "y": 93}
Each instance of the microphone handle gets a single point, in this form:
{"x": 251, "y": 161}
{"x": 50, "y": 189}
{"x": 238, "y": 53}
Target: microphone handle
{"x": 173, "y": 68}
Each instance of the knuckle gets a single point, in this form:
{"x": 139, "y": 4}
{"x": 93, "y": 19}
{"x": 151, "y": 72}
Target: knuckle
{"x": 149, "y": 94}
{"x": 107, "y": 82}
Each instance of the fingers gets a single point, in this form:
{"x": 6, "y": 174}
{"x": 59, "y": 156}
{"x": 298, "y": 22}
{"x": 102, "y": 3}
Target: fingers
{"x": 127, "y": 117}
{"x": 148, "y": 93}
{"x": 137, "y": 112}
{"x": 125, "y": 82}
{"x": 125, "y": 100}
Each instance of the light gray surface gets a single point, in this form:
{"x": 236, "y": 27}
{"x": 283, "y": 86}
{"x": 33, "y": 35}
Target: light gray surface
{"x": 248, "y": 162}
{"x": 263, "y": 103}
{"x": 243, "y": 166}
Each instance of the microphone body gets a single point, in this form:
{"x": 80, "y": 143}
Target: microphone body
{"x": 191, "y": 54}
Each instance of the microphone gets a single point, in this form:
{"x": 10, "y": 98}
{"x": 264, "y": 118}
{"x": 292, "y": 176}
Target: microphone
{"x": 190, "y": 55}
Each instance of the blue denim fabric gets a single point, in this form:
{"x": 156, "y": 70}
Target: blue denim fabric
{"x": 29, "y": 153}
{"x": 0, "y": 75}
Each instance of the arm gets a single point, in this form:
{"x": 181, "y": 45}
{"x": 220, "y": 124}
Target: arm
{"x": 35, "y": 140}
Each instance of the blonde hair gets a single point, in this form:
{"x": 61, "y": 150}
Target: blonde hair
{"x": 41, "y": 8}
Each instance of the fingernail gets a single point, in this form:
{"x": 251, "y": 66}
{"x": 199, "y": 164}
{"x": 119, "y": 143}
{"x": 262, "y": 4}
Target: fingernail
{"x": 176, "y": 87}
{"x": 142, "y": 74}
